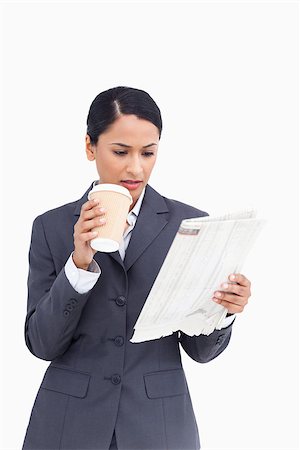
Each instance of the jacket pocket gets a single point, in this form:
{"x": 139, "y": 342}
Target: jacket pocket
{"x": 66, "y": 381}
{"x": 165, "y": 383}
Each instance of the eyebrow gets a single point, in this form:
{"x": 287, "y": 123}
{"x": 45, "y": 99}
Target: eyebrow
{"x": 129, "y": 146}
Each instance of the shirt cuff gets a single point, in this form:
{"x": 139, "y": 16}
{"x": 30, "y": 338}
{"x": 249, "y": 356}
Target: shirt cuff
{"x": 227, "y": 321}
{"x": 82, "y": 280}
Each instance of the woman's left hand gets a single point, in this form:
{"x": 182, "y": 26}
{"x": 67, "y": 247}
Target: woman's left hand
{"x": 233, "y": 295}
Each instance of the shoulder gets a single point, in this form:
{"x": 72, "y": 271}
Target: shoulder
{"x": 62, "y": 210}
{"x": 65, "y": 211}
{"x": 51, "y": 231}
{"x": 54, "y": 228}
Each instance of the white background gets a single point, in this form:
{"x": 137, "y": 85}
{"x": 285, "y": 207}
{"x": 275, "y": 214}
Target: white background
{"x": 225, "y": 76}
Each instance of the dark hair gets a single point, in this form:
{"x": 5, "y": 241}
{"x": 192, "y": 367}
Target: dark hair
{"x": 113, "y": 103}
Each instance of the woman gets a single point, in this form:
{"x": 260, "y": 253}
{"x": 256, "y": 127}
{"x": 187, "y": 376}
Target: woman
{"x": 101, "y": 391}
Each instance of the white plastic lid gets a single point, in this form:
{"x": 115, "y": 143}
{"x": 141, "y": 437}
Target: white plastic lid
{"x": 111, "y": 187}
{"x": 105, "y": 245}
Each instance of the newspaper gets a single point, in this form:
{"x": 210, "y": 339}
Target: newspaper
{"x": 204, "y": 252}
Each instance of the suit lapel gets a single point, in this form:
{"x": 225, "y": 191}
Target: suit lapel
{"x": 149, "y": 224}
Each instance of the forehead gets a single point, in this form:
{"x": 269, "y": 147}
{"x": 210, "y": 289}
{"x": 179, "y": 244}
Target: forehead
{"x": 131, "y": 128}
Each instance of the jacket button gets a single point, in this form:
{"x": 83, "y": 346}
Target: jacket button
{"x": 73, "y": 301}
{"x": 115, "y": 379}
{"x": 119, "y": 341}
{"x": 66, "y": 313}
{"x": 69, "y": 307}
{"x": 220, "y": 339}
{"x": 121, "y": 300}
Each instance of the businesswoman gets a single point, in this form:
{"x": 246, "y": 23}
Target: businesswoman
{"x": 101, "y": 391}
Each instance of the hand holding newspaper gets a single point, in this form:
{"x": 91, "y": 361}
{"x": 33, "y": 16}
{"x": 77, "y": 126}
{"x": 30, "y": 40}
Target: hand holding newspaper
{"x": 203, "y": 253}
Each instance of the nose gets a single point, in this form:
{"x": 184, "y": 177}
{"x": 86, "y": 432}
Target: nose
{"x": 135, "y": 167}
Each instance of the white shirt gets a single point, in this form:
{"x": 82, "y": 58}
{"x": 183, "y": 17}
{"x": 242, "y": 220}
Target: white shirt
{"x": 84, "y": 280}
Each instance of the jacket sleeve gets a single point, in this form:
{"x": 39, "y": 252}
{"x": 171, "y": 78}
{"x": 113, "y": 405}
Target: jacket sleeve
{"x": 54, "y": 307}
{"x": 204, "y": 348}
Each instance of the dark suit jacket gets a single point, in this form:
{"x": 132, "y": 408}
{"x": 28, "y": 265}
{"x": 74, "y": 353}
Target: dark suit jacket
{"x": 97, "y": 380}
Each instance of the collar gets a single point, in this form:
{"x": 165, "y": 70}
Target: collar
{"x": 133, "y": 214}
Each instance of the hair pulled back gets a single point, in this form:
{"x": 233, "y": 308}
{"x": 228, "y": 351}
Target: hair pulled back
{"x": 117, "y": 101}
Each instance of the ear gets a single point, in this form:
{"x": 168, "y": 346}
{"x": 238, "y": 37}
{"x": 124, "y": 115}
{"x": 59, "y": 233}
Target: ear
{"x": 89, "y": 148}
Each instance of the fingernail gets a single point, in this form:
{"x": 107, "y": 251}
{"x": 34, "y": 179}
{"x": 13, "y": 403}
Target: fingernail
{"x": 232, "y": 277}
{"x": 218, "y": 294}
{"x": 224, "y": 285}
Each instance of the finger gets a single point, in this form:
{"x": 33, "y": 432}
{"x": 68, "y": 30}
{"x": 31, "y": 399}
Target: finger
{"x": 231, "y": 307}
{"x": 240, "y": 279}
{"x": 90, "y": 204}
{"x": 96, "y": 210}
{"x": 83, "y": 237}
{"x": 87, "y": 225}
{"x": 86, "y": 209}
{"x": 234, "y": 288}
{"x": 93, "y": 213}
{"x": 230, "y": 298}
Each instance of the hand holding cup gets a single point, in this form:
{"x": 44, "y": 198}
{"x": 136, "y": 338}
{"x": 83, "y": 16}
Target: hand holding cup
{"x": 116, "y": 200}
{"x": 91, "y": 216}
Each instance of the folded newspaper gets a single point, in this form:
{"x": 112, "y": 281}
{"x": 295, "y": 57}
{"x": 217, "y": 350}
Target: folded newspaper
{"x": 203, "y": 253}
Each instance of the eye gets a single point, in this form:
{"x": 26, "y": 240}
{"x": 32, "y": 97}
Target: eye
{"x": 120, "y": 153}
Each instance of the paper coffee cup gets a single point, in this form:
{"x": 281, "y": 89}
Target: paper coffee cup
{"x": 116, "y": 200}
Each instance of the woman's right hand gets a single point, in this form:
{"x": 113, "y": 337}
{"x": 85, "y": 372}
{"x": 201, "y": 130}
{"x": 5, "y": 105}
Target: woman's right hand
{"x": 89, "y": 218}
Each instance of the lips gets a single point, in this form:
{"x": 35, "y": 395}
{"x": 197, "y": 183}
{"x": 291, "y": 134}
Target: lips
{"x": 131, "y": 184}
{"x": 131, "y": 181}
